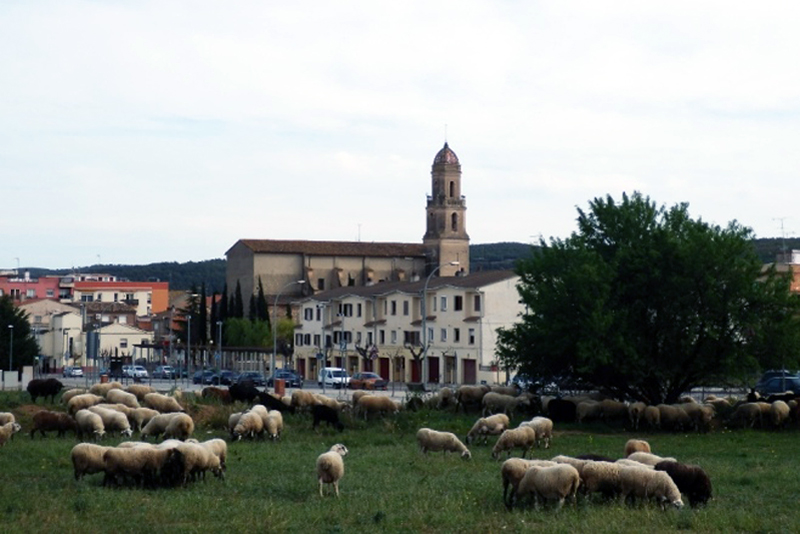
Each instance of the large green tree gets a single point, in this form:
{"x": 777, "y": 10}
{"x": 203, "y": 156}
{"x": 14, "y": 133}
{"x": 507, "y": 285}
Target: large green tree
{"x": 22, "y": 350}
{"x": 646, "y": 303}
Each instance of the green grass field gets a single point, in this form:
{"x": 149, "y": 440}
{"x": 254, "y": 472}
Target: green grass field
{"x": 389, "y": 486}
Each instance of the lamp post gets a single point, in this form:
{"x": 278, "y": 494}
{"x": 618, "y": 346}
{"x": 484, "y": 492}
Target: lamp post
{"x": 188, "y": 346}
{"x": 275, "y": 330}
{"x": 219, "y": 342}
{"x": 10, "y": 347}
{"x": 424, "y": 310}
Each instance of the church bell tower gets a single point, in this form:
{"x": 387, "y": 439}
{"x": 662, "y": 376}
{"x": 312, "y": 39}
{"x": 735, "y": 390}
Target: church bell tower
{"x": 446, "y": 227}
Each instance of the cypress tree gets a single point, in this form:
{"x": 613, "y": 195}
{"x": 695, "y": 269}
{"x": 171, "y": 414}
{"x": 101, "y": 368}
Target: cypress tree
{"x": 202, "y": 320}
{"x": 222, "y": 312}
{"x": 251, "y": 309}
{"x": 238, "y": 302}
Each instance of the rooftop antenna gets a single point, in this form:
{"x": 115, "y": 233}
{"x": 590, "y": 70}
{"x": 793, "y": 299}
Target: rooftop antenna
{"x": 359, "y": 232}
{"x": 783, "y": 237}
{"x": 445, "y": 133}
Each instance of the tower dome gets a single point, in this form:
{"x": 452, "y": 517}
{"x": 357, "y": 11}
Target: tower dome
{"x": 446, "y": 156}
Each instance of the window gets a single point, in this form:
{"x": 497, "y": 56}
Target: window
{"x": 444, "y": 304}
{"x": 116, "y": 297}
{"x": 308, "y": 314}
{"x": 382, "y": 337}
{"x": 430, "y": 335}
{"x": 471, "y": 336}
{"x": 346, "y": 310}
{"x": 99, "y": 297}
{"x": 443, "y": 334}
{"x": 123, "y": 343}
{"x": 320, "y": 284}
{"x": 358, "y": 338}
{"x": 306, "y": 339}
{"x": 434, "y": 303}
{"x": 405, "y": 307}
{"x": 394, "y": 337}
{"x": 30, "y": 293}
{"x": 37, "y": 319}
{"x": 458, "y": 303}
{"x": 456, "y": 335}
{"x": 316, "y": 340}
{"x": 394, "y": 307}
{"x": 87, "y": 298}
{"x": 477, "y": 304}
{"x": 454, "y": 222}
{"x": 50, "y": 293}
{"x": 411, "y": 337}
{"x": 452, "y": 189}
{"x": 358, "y": 309}
{"x": 298, "y": 340}
{"x": 122, "y": 319}
{"x": 369, "y": 338}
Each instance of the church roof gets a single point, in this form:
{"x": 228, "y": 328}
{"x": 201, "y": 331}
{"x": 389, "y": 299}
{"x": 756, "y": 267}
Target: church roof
{"x": 334, "y": 248}
{"x": 446, "y": 156}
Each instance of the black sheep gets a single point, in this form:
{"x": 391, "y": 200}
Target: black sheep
{"x": 561, "y": 411}
{"x": 690, "y": 479}
{"x": 245, "y": 392}
{"x": 320, "y": 412}
{"x": 44, "y": 387}
{"x": 271, "y": 403}
{"x": 595, "y": 457}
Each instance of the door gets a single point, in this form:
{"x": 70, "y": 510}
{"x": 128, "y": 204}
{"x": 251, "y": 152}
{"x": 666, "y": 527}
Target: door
{"x": 415, "y": 368}
{"x": 384, "y": 366}
{"x": 433, "y": 369}
{"x": 470, "y": 374}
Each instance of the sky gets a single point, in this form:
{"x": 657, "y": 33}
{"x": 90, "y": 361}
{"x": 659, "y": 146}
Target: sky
{"x": 134, "y": 132}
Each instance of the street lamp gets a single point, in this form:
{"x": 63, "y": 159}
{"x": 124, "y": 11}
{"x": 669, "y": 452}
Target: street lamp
{"x": 425, "y": 322}
{"x": 188, "y": 346}
{"x": 10, "y": 347}
{"x": 275, "y": 330}
{"x": 219, "y": 344}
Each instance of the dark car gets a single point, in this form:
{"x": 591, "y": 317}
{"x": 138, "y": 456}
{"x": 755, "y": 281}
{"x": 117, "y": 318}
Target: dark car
{"x": 367, "y": 380}
{"x": 256, "y": 378}
{"x": 203, "y": 376}
{"x": 292, "y": 379}
{"x": 773, "y": 373}
{"x": 225, "y": 377}
{"x": 780, "y": 384}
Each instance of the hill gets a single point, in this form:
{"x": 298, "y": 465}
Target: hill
{"x": 484, "y": 257}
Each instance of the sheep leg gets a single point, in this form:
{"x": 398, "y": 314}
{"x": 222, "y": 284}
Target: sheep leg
{"x": 336, "y": 487}
{"x": 320, "y": 488}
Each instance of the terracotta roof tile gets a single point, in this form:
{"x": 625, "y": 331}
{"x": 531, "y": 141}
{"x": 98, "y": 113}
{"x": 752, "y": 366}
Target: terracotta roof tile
{"x": 334, "y": 248}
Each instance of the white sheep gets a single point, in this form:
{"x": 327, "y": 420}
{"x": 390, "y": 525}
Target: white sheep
{"x": 543, "y": 426}
{"x": 140, "y": 390}
{"x": 652, "y": 416}
{"x": 197, "y": 459}
{"x": 434, "y": 440}
{"x": 497, "y": 402}
{"x": 588, "y": 410}
{"x": 89, "y": 423}
{"x": 632, "y": 463}
{"x": 7, "y": 430}
{"x": 779, "y": 413}
{"x": 273, "y": 425}
{"x": 250, "y": 425}
{"x": 376, "y": 404}
{"x": 141, "y": 416}
{"x": 181, "y": 426}
{"x": 103, "y": 388}
{"x": 328, "y": 401}
{"x": 557, "y": 482}
{"x": 119, "y": 396}
{"x": 601, "y": 477}
{"x": 488, "y": 426}
{"x": 649, "y": 458}
{"x": 113, "y": 421}
{"x": 162, "y": 403}
{"x": 80, "y": 402}
{"x": 577, "y": 463}
{"x": 7, "y": 417}
{"x": 635, "y": 413}
{"x": 523, "y": 438}
{"x": 87, "y": 459}
{"x": 67, "y": 395}
{"x": 636, "y": 482}
{"x": 157, "y": 425}
{"x": 303, "y": 400}
{"x": 233, "y": 420}
{"x": 512, "y": 472}
{"x": 330, "y": 467}
{"x": 219, "y": 448}
{"x": 636, "y": 445}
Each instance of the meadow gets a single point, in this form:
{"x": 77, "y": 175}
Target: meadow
{"x": 389, "y": 486}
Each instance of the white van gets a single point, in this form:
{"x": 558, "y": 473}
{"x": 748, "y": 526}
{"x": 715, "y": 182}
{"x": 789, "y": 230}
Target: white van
{"x": 334, "y": 377}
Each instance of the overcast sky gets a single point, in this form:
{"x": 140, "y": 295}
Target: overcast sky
{"x": 134, "y": 132}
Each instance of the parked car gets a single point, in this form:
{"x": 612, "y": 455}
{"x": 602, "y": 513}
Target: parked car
{"x": 333, "y": 376}
{"x": 780, "y": 384}
{"x": 135, "y": 371}
{"x": 164, "y": 371}
{"x": 292, "y": 379}
{"x": 256, "y": 378}
{"x": 367, "y": 380}
{"x": 204, "y": 376}
{"x": 225, "y": 377}
{"x": 72, "y": 372}
{"x": 773, "y": 373}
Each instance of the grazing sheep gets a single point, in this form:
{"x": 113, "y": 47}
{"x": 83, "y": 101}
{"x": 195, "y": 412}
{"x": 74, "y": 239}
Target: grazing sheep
{"x": 197, "y": 459}
{"x": 504, "y": 390}
{"x": 233, "y": 420}
{"x": 700, "y": 415}
{"x": 543, "y": 426}
{"x": 118, "y": 396}
{"x": 214, "y": 393}
{"x": 328, "y": 401}
{"x": 652, "y": 416}
{"x": 523, "y": 438}
{"x": 561, "y": 410}
{"x": 601, "y": 477}
{"x": 779, "y": 413}
{"x": 588, "y": 410}
{"x": 142, "y": 464}
{"x": 574, "y": 462}
{"x": 613, "y": 410}
{"x": 87, "y": 459}
{"x": 219, "y": 448}
{"x": 635, "y": 414}
{"x": 243, "y": 391}
{"x": 747, "y": 415}
{"x": 636, "y": 445}
{"x": 142, "y": 416}
{"x": 8, "y": 430}
{"x": 80, "y": 402}
{"x": 273, "y": 425}
{"x": 330, "y": 467}
{"x": 47, "y": 421}
{"x": 157, "y": 425}
{"x": 470, "y": 396}
{"x": 327, "y": 414}
{"x": 433, "y": 440}
{"x": 557, "y": 482}
{"x": 446, "y": 398}
{"x": 648, "y": 458}
{"x": 89, "y": 423}
{"x": 639, "y": 483}
{"x": 274, "y": 403}
{"x": 113, "y": 421}
{"x": 181, "y": 426}
{"x": 486, "y": 426}
{"x": 140, "y": 390}
{"x": 250, "y": 425}
{"x": 102, "y": 389}
{"x": 162, "y": 403}
{"x": 512, "y": 472}
{"x": 357, "y": 395}
{"x": 496, "y": 402}
{"x": 7, "y": 417}
{"x": 67, "y": 395}
{"x": 632, "y": 463}
{"x": 673, "y": 417}
{"x": 376, "y": 404}
{"x": 44, "y": 387}
{"x": 690, "y": 479}
{"x": 303, "y": 400}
